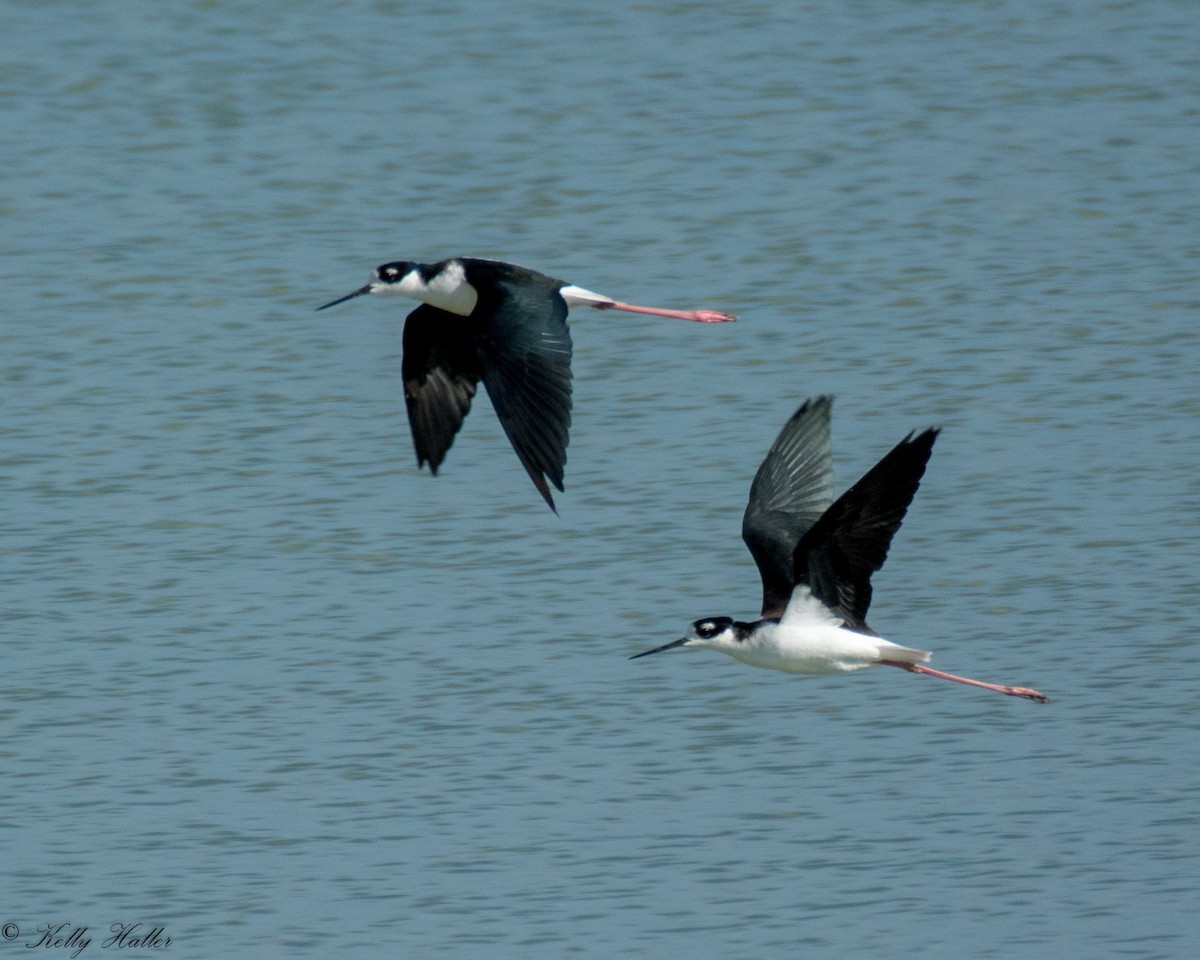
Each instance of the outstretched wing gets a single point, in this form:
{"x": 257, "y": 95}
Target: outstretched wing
{"x": 837, "y": 555}
{"x": 525, "y": 354}
{"x": 441, "y": 371}
{"x": 793, "y": 487}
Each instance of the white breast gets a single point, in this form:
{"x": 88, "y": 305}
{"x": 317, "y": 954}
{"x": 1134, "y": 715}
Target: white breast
{"x": 818, "y": 647}
{"x": 447, "y": 290}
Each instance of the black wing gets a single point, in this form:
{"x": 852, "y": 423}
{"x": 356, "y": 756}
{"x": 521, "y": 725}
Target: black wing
{"x": 838, "y": 554}
{"x": 791, "y": 490}
{"x": 441, "y": 370}
{"x": 525, "y": 355}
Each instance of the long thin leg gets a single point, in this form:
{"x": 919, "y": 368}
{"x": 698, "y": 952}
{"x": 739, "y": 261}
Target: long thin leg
{"x": 700, "y": 316}
{"x": 1025, "y": 692}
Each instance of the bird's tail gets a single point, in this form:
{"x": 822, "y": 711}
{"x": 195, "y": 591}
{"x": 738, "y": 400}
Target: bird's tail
{"x": 893, "y": 651}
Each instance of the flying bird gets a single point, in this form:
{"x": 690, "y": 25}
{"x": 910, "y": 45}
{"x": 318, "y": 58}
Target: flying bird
{"x": 502, "y": 324}
{"x": 816, "y": 556}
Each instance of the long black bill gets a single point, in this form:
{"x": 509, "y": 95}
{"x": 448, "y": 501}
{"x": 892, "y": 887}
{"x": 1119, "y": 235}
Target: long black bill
{"x": 350, "y": 296}
{"x": 666, "y": 646}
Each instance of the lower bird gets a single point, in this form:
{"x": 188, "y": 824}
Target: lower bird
{"x": 816, "y": 556}
{"x": 502, "y": 324}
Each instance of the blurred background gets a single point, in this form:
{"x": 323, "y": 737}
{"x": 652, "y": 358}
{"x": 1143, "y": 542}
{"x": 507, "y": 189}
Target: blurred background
{"x": 271, "y": 687}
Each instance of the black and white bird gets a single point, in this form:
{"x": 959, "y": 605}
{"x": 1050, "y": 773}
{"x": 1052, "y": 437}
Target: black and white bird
{"x": 502, "y": 324}
{"x": 816, "y": 556}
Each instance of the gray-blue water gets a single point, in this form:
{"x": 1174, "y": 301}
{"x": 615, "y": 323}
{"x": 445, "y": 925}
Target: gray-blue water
{"x": 271, "y": 688}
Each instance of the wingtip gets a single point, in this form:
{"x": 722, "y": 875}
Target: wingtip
{"x": 544, "y": 489}
{"x": 819, "y": 402}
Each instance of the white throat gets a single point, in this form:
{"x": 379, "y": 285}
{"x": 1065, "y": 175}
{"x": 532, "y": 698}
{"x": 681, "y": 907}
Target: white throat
{"x": 447, "y": 290}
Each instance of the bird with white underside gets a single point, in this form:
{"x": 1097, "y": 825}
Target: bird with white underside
{"x": 505, "y": 325}
{"x": 816, "y": 556}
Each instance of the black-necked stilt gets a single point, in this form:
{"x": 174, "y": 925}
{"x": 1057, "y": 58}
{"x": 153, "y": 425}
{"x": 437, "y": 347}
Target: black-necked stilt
{"x": 502, "y": 324}
{"x": 816, "y": 559}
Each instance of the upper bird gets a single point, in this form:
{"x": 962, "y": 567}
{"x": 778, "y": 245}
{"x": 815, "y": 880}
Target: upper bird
{"x": 816, "y": 557}
{"x": 502, "y": 324}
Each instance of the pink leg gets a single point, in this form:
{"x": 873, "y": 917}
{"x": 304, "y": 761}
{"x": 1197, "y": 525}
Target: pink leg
{"x": 1025, "y": 692}
{"x": 700, "y": 316}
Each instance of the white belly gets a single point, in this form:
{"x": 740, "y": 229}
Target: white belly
{"x": 821, "y": 649}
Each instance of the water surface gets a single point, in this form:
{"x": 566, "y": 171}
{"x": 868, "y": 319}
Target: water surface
{"x": 273, "y": 688}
